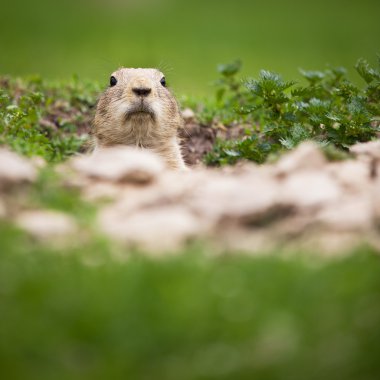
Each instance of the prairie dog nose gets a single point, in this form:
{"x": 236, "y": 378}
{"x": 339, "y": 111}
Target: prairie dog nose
{"x": 142, "y": 91}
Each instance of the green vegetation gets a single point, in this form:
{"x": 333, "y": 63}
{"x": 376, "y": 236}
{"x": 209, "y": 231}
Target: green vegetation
{"x": 185, "y": 38}
{"x": 86, "y": 315}
{"x": 51, "y": 119}
{"x": 43, "y": 118}
{"x": 330, "y": 110}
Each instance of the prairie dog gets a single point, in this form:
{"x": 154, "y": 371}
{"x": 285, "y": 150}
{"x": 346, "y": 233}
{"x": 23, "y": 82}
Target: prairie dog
{"x": 137, "y": 109}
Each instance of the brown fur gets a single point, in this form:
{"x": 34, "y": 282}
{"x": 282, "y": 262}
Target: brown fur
{"x": 151, "y": 122}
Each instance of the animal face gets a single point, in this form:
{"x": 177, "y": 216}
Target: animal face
{"x": 135, "y": 92}
{"x": 137, "y": 102}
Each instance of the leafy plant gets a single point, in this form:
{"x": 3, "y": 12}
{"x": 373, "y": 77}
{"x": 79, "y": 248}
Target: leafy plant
{"x": 45, "y": 119}
{"x": 330, "y": 110}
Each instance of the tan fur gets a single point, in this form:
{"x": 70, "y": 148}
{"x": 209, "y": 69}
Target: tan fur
{"x": 151, "y": 122}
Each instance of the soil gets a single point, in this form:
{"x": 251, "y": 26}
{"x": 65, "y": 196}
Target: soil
{"x": 62, "y": 114}
{"x": 196, "y": 141}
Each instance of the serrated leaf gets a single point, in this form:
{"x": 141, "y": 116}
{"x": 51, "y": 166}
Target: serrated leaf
{"x": 287, "y": 143}
{"x": 312, "y": 76}
{"x": 231, "y": 153}
{"x": 366, "y": 71}
{"x": 333, "y": 117}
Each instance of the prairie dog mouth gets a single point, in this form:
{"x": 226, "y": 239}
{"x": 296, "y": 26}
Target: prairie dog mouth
{"x": 140, "y": 110}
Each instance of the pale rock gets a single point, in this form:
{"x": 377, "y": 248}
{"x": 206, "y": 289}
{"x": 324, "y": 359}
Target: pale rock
{"x": 103, "y": 191}
{"x": 179, "y": 185}
{"x": 120, "y": 164}
{"x": 38, "y": 162}
{"x": 352, "y": 175}
{"x": 375, "y": 196}
{"x": 128, "y": 199}
{"x": 349, "y": 214}
{"x": 188, "y": 115}
{"x": 329, "y": 244}
{"x": 231, "y": 197}
{"x": 159, "y": 229}
{"x": 46, "y": 224}
{"x": 234, "y": 239}
{"x": 309, "y": 189}
{"x": 3, "y": 210}
{"x": 170, "y": 188}
{"x": 292, "y": 226}
{"x": 242, "y": 168}
{"x": 307, "y": 156}
{"x": 370, "y": 148}
{"x": 15, "y": 169}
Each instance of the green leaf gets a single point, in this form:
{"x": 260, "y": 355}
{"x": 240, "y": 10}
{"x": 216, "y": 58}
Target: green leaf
{"x": 366, "y": 71}
{"x": 313, "y": 76}
{"x": 230, "y": 69}
{"x": 232, "y": 153}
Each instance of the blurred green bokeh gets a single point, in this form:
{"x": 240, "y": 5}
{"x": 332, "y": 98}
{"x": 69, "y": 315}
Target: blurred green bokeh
{"x": 187, "y": 39}
{"x": 85, "y": 315}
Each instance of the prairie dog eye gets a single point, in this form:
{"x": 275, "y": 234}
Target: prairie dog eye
{"x": 113, "y": 81}
{"x": 163, "y": 81}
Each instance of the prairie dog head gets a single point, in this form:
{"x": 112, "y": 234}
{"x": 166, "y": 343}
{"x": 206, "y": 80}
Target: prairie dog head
{"x": 136, "y": 109}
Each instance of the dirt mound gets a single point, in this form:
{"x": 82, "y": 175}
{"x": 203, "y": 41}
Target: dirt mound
{"x": 196, "y": 141}
{"x": 302, "y": 201}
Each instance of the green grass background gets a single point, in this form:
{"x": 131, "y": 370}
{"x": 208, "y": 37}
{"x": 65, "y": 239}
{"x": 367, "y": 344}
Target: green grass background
{"x": 185, "y": 38}
{"x": 85, "y": 315}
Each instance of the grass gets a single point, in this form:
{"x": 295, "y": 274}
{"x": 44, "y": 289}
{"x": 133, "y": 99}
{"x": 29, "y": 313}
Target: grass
{"x": 185, "y": 38}
{"x": 85, "y": 315}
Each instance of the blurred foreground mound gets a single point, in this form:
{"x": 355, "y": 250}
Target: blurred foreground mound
{"x": 300, "y": 202}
